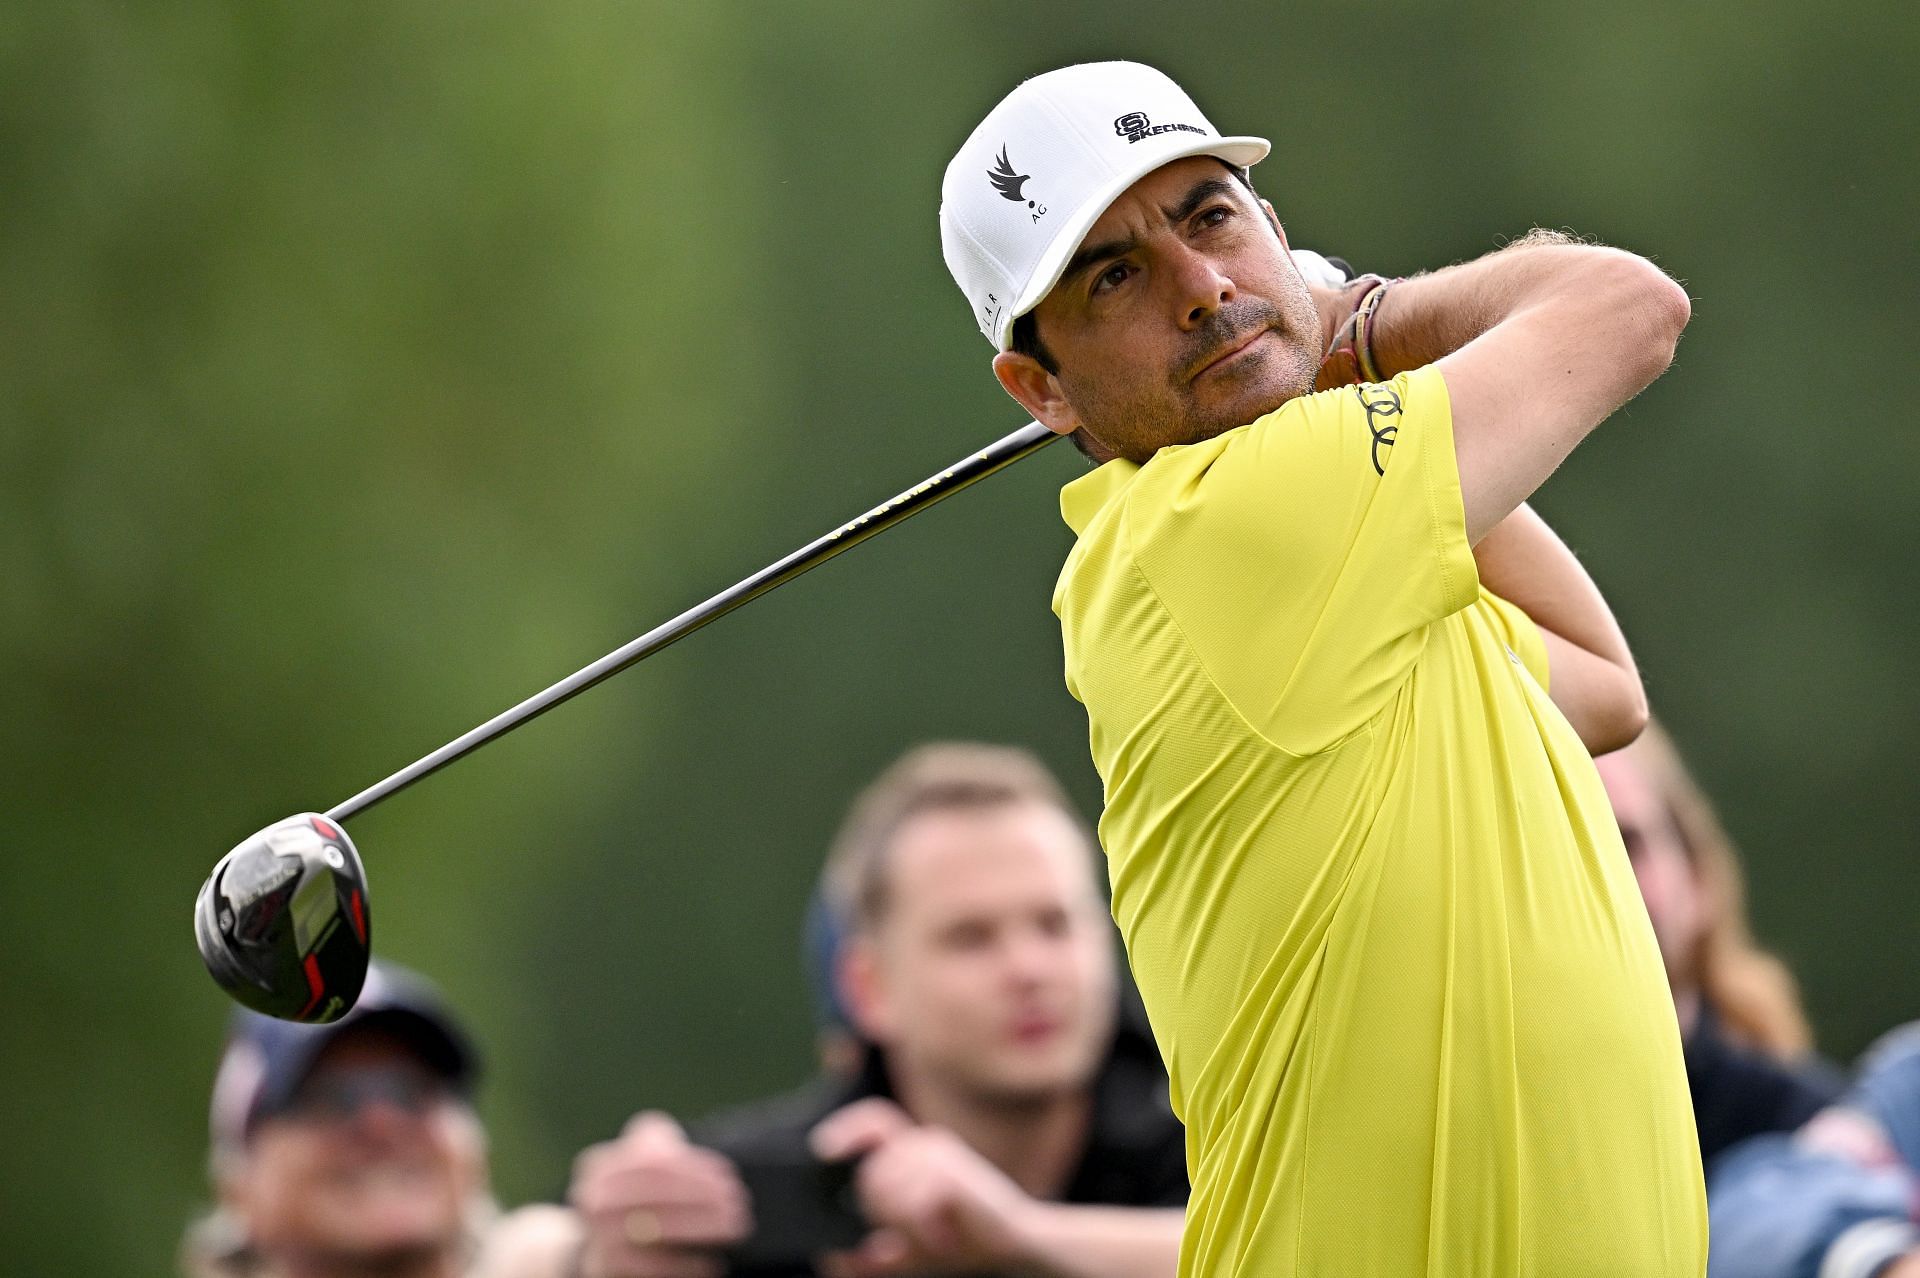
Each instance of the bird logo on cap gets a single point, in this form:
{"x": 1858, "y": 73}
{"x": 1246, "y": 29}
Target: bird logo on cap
{"x": 1006, "y": 181}
{"x": 1009, "y": 184}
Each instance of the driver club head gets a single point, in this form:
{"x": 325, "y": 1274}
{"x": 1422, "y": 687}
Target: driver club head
{"x": 282, "y": 922}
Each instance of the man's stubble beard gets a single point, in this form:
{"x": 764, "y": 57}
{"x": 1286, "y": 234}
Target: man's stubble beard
{"x": 979, "y": 1084}
{"x": 1137, "y": 429}
{"x": 1014, "y": 1103}
{"x": 407, "y": 1260}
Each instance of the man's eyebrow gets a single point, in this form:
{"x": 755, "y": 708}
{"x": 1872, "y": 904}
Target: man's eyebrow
{"x": 1200, "y": 194}
{"x": 1086, "y": 257}
{"x": 1079, "y": 262}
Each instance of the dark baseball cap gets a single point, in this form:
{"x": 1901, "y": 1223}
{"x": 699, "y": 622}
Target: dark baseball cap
{"x": 825, "y": 934}
{"x": 266, "y": 1059}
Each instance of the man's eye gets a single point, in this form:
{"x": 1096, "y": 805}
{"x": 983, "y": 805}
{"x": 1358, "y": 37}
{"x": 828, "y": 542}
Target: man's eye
{"x": 1113, "y": 277}
{"x": 1055, "y": 923}
{"x": 968, "y": 936}
{"x": 1214, "y": 216}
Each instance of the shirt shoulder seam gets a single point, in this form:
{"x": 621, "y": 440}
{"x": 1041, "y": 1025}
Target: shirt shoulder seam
{"x": 1436, "y": 519}
{"x": 1199, "y": 659}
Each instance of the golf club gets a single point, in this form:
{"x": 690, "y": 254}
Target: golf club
{"x": 283, "y": 922}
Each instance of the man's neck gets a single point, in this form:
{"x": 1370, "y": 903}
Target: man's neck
{"x": 1037, "y": 1143}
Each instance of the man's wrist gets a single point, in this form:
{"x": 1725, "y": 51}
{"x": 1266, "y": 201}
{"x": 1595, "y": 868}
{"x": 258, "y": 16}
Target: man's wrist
{"x": 1347, "y": 358}
{"x": 1364, "y": 312}
{"x": 1032, "y": 1237}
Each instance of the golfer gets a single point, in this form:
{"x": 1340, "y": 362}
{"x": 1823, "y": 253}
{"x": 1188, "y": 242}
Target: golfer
{"x": 1343, "y": 687}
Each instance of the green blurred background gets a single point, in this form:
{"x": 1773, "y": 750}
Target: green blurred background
{"x": 364, "y": 368}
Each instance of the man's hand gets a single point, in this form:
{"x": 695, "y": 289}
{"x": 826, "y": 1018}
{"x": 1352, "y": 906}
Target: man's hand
{"x": 933, "y": 1201}
{"x": 656, "y": 1206}
{"x": 537, "y": 1241}
{"x": 936, "y": 1204}
{"x": 1335, "y": 292}
{"x": 1340, "y": 363}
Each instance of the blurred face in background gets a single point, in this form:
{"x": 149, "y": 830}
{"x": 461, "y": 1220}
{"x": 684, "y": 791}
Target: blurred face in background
{"x": 373, "y": 1165}
{"x": 1665, "y": 872}
{"x": 990, "y": 974}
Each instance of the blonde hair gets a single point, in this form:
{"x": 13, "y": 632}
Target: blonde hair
{"x": 946, "y": 776}
{"x": 1750, "y": 990}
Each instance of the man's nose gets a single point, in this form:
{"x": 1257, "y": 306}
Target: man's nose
{"x": 381, "y": 1117}
{"x": 1203, "y": 287}
{"x": 1031, "y": 957}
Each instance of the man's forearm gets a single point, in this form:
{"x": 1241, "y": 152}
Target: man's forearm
{"x": 1434, "y": 314}
{"x": 1593, "y": 679}
{"x": 1524, "y": 562}
{"x": 1104, "y": 1242}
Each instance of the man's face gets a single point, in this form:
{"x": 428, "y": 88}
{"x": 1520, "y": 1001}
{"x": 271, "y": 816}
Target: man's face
{"x": 375, "y": 1162}
{"x": 992, "y": 970}
{"x": 1180, "y": 316}
{"x": 1665, "y": 873}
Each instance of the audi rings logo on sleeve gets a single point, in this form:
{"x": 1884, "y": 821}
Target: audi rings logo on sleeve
{"x": 1383, "y": 407}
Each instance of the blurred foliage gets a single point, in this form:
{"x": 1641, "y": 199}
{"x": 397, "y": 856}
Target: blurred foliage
{"x": 366, "y": 368}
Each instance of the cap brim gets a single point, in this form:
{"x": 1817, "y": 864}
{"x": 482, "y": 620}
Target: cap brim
{"x": 1243, "y": 152}
{"x": 436, "y": 1043}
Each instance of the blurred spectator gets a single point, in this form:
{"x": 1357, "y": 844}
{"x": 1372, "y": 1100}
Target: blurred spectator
{"x": 1750, "y": 1065}
{"x": 1838, "y": 1199}
{"x": 836, "y": 1042}
{"x": 1004, "y": 1117}
{"x": 352, "y": 1149}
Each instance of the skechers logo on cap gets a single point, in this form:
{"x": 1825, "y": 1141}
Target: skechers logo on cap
{"x": 1134, "y": 126}
{"x": 1009, "y": 184}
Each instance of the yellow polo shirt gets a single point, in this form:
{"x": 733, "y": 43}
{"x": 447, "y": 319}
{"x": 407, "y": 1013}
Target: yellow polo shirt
{"x": 1369, "y": 883}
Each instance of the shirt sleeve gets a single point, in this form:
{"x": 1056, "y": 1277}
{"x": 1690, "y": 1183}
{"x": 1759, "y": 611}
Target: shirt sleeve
{"x": 1303, "y": 557}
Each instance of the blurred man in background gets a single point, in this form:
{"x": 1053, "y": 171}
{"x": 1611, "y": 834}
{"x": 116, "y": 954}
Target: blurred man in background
{"x": 1749, "y": 1050}
{"x": 352, "y": 1149}
{"x": 1002, "y": 1116}
{"x": 1838, "y": 1199}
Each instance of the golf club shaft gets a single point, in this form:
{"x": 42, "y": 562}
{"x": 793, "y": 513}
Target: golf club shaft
{"x": 967, "y": 471}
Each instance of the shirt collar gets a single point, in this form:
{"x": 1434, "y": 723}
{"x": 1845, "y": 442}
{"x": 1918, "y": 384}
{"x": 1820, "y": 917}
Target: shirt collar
{"x": 1086, "y": 496}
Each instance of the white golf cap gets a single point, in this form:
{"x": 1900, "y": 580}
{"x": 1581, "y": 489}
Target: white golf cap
{"x": 1045, "y": 164}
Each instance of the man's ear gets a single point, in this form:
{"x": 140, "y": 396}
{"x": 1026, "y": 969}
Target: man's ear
{"x": 863, "y": 989}
{"x": 1024, "y": 378}
{"x": 231, "y": 1183}
{"x": 1277, "y": 228}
